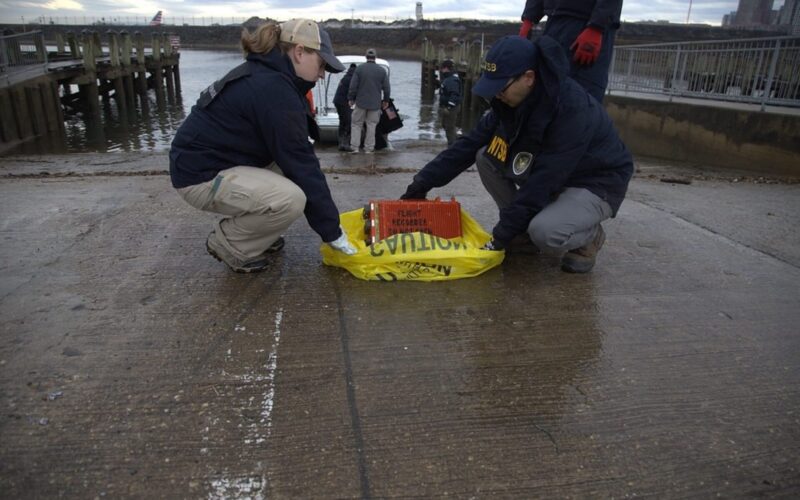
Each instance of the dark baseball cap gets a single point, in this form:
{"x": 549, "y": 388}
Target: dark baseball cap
{"x": 309, "y": 34}
{"x": 508, "y": 58}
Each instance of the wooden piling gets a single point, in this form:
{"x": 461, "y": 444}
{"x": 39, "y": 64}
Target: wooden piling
{"x": 428, "y": 76}
{"x": 88, "y": 83}
{"x": 34, "y": 98}
{"x": 115, "y": 75}
{"x": 128, "y": 74}
{"x": 74, "y": 47}
{"x": 474, "y": 106}
{"x": 141, "y": 69}
{"x": 52, "y": 107}
{"x": 60, "y": 43}
{"x": 176, "y": 73}
{"x": 19, "y": 103}
{"x": 156, "y": 70}
{"x": 8, "y": 126}
{"x": 97, "y": 44}
{"x": 168, "y": 68}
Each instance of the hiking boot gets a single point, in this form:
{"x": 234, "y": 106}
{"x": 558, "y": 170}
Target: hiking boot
{"x": 581, "y": 260}
{"x": 255, "y": 265}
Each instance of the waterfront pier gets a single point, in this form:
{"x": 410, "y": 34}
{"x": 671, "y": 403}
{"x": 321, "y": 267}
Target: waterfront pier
{"x": 39, "y": 84}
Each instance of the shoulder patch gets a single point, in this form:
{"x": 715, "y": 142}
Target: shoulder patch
{"x": 522, "y": 162}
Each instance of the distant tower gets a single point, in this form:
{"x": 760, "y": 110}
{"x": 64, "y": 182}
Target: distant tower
{"x": 753, "y": 12}
{"x": 419, "y": 11}
{"x": 790, "y": 16}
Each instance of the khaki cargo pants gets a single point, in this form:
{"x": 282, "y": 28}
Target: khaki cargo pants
{"x": 260, "y": 203}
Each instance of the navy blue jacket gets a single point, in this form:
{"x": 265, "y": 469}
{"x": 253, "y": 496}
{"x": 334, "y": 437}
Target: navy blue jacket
{"x": 602, "y": 14}
{"x": 558, "y": 137}
{"x": 340, "y": 98}
{"x": 450, "y": 90}
{"x": 253, "y": 116}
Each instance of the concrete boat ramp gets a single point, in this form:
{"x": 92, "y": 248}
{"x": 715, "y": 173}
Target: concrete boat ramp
{"x": 132, "y": 364}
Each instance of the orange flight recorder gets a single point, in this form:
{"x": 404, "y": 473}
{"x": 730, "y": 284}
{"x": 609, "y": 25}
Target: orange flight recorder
{"x": 383, "y": 218}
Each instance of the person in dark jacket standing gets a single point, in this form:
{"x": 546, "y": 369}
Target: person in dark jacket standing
{"x": 449, "y": 99}
{"x": 368, "y": 83}
{"x": 343, "y": 108}
{"x": 244, "y": 149}
{"x": 547, "y": 153}
{"x": 585, "y": 29}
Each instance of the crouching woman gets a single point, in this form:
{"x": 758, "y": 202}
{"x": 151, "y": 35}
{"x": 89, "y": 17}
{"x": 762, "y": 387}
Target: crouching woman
{"x": 244, "y": 150}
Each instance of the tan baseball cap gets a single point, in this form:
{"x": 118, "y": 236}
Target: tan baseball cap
{"x": 307, "y": 33}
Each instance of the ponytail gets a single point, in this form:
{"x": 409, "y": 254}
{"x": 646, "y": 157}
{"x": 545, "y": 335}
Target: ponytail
{"x": 262, "y": 40}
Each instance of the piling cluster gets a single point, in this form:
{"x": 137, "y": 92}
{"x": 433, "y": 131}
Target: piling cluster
{"x": 35, "y": 95}
{"x": 467, "y": 58}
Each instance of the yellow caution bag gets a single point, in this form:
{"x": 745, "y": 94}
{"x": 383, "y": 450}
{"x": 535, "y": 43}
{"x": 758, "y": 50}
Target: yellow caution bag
{"x": 414, "y": 256}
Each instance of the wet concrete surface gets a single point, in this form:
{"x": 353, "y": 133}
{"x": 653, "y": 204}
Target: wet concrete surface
{"x": 133, "y": 364}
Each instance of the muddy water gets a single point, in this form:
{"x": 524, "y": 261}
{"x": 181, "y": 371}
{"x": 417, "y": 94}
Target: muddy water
{"x": 152, "y": 129}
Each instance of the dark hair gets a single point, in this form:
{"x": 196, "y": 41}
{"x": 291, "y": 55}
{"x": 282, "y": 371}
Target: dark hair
{"x": 352, "y": 65}
{"x": 447, "y": 63}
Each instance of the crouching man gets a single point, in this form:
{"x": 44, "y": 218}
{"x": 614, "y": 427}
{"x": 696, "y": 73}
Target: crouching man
{"x": 546, "y": 152}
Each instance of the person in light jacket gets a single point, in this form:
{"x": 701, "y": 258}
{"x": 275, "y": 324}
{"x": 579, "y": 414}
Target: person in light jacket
{"x": 369, "y": 93}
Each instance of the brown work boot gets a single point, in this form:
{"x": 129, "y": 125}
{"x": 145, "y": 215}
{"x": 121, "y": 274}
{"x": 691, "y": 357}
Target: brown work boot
{"x": 581, "y": 260}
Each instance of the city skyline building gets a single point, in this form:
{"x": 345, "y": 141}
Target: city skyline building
{"x": 753, "y": 13}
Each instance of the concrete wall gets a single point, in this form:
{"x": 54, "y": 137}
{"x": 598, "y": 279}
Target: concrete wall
{"x": 767, "y": 143}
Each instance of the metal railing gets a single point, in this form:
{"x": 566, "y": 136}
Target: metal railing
{"x": 758, "y": 70}
{"x": 22, "y": 50}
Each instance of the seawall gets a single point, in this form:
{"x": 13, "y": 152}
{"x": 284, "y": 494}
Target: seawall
{"x": 729, "y": 137}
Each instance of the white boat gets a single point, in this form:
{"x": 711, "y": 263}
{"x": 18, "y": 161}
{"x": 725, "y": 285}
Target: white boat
{"x": 325, "y": 90}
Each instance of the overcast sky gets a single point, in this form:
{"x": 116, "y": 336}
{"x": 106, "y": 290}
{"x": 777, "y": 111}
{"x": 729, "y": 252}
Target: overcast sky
{"x": 178, "y": 11}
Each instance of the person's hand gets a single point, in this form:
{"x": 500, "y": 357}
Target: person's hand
{"x": 525, "y": 28}
{"x": 587, "y": 46}
{"x": 493, "y": 245}
{"x": 343, "y": 244}
{"x": 414, "y": 192}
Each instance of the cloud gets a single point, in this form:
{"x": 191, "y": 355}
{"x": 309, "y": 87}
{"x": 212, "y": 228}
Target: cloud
{"x": 63, "y": 4}
{"x": 707, "y": 11}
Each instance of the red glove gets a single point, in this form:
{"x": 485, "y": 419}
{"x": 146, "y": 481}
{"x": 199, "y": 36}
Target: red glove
{"x": 587, "y": 46}
{"x": 525, "y": 29}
